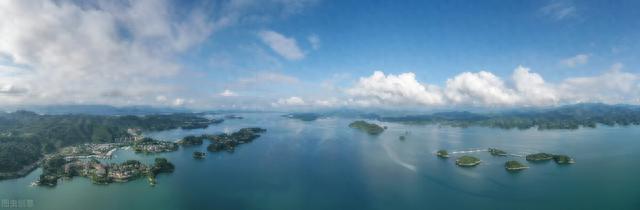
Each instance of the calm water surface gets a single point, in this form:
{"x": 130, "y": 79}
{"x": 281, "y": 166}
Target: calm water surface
{"x": 325, "y": 165}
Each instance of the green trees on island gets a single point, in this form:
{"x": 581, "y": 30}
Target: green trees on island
{"x": 370, "y": 128}
{"x": 26, "y": 136}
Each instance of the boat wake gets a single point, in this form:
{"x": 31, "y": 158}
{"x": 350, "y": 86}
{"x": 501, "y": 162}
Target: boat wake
{"x": 392, "y": 155}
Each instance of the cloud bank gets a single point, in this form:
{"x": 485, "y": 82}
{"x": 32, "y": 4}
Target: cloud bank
{"x": 484, "y": 89}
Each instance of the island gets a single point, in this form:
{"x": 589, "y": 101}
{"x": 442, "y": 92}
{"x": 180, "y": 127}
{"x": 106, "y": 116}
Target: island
{"x": 233, "y": 117}
{"x": 513, "y": 165}
{"x": 228, "y": 142}
{"x": 303, "y": 116}
{"x": 199, "y": 155}
{"x": 497, "y": 152}
{"x": 539, "y": 157}
{"x": 442, "y": 154}
{"x": 467, "y": 161}
{"x": 57, "y": 167}
{"x": 370, "y": 128}
{"x": 563, "y": 159}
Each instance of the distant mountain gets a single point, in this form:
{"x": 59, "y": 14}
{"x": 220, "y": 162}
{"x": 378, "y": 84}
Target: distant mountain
{"x": 564, "y": 117}
{"x": 102, "y": 110}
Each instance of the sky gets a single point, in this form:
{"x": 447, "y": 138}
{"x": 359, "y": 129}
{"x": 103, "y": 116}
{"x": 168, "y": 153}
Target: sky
{"x": 307, "y": 54}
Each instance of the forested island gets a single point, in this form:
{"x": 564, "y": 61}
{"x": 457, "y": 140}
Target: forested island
{"x": 370, "y": 128}
{"x": 228, "y": 142}
{"x": 303, "y": 116}
{"x": 26, "y": 137}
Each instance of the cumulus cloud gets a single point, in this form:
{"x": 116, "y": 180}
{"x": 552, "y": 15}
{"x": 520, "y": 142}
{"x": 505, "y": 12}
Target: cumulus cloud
{"x": 401, "y": 89}
{"x": 284, "y": 46}
{"x": 228, "y": 93}
{"x": 576, "y": 60}
{"x": 613, "y": 86}
{"x": 111, "y": 52}
{"x": 532, "y": 88}
{"x": 71, "y": 52}
{"x": 525, "y": 88}
{"x": 482, "y": 88}
{"x": 291, "y": 101}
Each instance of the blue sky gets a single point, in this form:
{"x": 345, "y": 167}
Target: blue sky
{"x": 313, "y": 53}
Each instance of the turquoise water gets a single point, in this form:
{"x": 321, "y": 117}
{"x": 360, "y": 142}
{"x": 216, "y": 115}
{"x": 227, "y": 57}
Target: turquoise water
{"x": 325, "y": 165}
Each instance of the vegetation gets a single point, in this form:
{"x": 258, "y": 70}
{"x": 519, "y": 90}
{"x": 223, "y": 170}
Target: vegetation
{"x": 199, "y": 155}
{"x": 566, "y": 117}
{"x": 497, "y": 152}
{"x": 25, "y": 137}
{"x": 303, "y": 116}
{"x": 370, "y": 128}
{"x": 537, "y": 157}
{"x": 191, "y": 140}
{"x": 228, "y": 142}
{"x": 57, "y": 167}
{"x": 513, "y": 165}
{"x": 563, "y": 159}
{"x": 467, "y": 161}
{"x": 442, "y": 153}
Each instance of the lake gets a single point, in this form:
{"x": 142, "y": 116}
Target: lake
{"x": 324, "y": 164}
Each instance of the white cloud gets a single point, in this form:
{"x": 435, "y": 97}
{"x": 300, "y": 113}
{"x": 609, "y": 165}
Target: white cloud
{"x": 314, "y": 41}
{"x": 284, "y": 46}
{"x": 70, "y": 53}
{"x": 576, "y": 60}
{"x": 482, "y": 88}
{"x": 532, "y": 88}
{"x": 228, "y": 93}
{"x": 178, "y": 102}
{"x": 110, "y": 52}
{"x": 400, "y": 89}
{"x": 559, "y": 9}
{"x": 161, "y": 98}
{"x": 486, "y": 89}
{"x": 11, "y": 89}
{"x": 613, "y": 86}
{"x": 291, "y": 101}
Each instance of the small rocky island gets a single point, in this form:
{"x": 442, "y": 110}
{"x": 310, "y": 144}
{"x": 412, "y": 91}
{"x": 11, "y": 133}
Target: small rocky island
{"x": 442, "y": 154}
{"x": 563, "y": 159}
{"x": 497, "y": 152}
{"x": 538, "y": 157}
{"x": 228, "y": 142}
{"x": 370, "y": 128}
{"x": 559, "y": 159}
{"x": 199, "y": 155}
{"x": 467, "y": 161}
{"x": 58, "y": 167}
{"x": 303, "y": 116}
{"x": 513, "y": 165}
